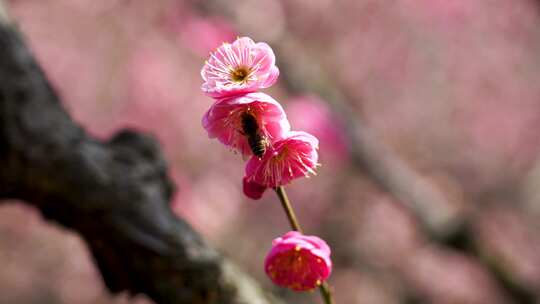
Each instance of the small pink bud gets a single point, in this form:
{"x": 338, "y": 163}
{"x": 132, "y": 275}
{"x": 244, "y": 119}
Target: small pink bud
{"x": 253, "y": 190}
{"x": 287, "y": 159}
{"x": 241, "y": 67}
{"x": 224, "y": 120}
{"x": 298, "y": 261}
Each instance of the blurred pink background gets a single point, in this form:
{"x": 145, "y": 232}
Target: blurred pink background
{"x": 452, "y": 87}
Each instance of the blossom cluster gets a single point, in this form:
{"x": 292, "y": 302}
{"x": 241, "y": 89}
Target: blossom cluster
{"x": 252, "y": 122}
{"x": 255, "y": 125}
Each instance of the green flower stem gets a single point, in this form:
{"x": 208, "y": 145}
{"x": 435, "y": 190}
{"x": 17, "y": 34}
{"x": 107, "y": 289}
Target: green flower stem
{"x": 286, "y": 204}
{"x": 324, "y": 288}
{"x": 326, "y": 294}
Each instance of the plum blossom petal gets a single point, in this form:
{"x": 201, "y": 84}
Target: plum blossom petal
{"x": 241, "y": 67}
{"x": 287, "y": 159}
{"x": 272, "y": 77}
{"x": 224, "y": 120}
{"x": 299, "y": 262}
{"x": 252, "y": 189}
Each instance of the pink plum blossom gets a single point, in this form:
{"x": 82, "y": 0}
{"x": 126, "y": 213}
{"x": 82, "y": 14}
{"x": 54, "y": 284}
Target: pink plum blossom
{"x": 287, "y": 159}
{"x": 224, "y": 120}
{"x": 241, "y": 67}
{"x": 299, "y": 262}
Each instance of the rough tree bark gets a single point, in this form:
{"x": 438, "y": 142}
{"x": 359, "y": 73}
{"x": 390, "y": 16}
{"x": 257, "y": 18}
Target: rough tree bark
{"x": 115, "y": 194}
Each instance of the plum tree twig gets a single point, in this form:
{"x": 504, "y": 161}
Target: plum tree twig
{"x": 370, "y": 156}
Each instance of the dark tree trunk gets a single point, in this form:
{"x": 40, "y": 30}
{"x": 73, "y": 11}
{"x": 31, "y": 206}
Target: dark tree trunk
{"x": 115, "y": 194}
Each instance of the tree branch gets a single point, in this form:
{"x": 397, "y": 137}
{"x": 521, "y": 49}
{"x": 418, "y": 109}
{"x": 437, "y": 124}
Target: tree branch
{"x": 115, "y": 194}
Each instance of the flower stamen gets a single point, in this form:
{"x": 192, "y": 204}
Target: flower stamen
{"x": 240, "y": 75}
{"x": 239, "y": 67}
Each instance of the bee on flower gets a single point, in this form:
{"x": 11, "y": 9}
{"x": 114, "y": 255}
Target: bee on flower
{"x": 243, "y": 122}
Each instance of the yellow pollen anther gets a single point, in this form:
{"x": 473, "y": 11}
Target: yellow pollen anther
{"x": 318, "y": 282}
{"x": 240, "y": 74}
{"x": 297, "y": 248}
